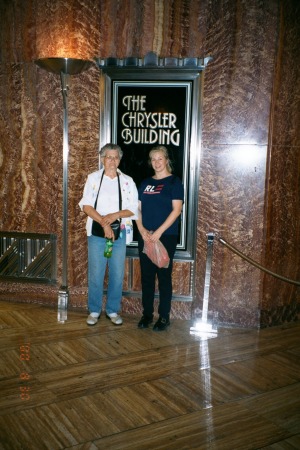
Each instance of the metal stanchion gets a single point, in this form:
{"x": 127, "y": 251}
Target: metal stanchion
{"x": 205, "y": 327}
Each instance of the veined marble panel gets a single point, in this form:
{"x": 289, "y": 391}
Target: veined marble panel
{"x": 281, "y": 300}
{"x": 231, "y": 205}
{"x": 241, "y": 38}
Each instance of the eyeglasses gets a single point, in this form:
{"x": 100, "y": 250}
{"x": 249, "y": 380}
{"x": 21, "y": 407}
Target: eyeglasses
{"x": 112, "y": 158}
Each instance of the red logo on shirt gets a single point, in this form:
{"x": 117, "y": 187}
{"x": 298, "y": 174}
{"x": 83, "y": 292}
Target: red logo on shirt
{"x": 153, "y": 189}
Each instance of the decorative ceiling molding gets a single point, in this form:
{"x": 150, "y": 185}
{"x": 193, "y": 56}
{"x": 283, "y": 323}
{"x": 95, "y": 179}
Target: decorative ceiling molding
{"x": 152, "y": 61}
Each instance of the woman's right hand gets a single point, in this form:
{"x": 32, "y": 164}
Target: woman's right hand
{"x": 108, "y": 232}
{"x": 145, "y": 234}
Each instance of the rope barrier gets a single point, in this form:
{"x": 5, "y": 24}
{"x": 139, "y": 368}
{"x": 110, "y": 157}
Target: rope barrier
{"x": 254, "y": 263}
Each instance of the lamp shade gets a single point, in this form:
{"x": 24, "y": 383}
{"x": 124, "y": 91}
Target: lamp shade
{"x": 69, "y": 66}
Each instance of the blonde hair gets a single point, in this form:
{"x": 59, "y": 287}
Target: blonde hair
{"x": 161, "y": 149}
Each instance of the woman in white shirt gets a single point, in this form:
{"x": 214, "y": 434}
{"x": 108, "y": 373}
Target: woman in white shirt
{"x": 104, "y": 185}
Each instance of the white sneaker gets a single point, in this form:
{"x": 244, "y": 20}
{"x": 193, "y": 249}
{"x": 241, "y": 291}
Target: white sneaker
{"x": 115, "y": 318}
{"x": 92, "y": 318}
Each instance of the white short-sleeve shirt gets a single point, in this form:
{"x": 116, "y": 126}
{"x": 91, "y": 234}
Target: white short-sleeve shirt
{"x": 108, "y": 199}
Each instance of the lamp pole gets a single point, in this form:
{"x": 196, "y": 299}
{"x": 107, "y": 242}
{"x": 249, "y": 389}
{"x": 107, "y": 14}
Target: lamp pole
{"x": 64, "y": 67}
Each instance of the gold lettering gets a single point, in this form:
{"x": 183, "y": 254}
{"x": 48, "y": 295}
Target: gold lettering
{"x": 134, "y": 102}
{"x": 147, "y": 128}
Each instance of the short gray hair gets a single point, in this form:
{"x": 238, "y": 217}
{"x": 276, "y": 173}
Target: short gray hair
{"x": 110, "y": 147}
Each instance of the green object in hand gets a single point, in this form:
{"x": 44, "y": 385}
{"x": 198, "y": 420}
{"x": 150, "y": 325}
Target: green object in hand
{"x": 108, "y": 248}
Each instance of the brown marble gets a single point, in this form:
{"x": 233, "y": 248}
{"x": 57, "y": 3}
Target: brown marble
{"x": 229, "y": 173}
{"x": 280, "y": 301}
{"x": 182, "y": 278}
{"x": 249, "y": 174}
{"x": 67, "y": 28}
{"x": 238, "y": 83}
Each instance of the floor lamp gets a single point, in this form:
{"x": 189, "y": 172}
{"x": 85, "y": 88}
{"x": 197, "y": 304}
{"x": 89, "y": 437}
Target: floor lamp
{"x": 64, "y": 67}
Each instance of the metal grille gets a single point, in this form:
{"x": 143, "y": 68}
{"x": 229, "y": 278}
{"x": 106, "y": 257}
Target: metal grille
{"x": 28, "y": 257}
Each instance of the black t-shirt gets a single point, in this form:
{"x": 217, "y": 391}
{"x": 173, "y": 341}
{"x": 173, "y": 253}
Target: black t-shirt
{"x": 156, "y": 198}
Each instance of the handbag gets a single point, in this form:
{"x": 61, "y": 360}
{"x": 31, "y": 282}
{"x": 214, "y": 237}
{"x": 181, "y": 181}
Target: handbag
{"x": 97, "y": 229}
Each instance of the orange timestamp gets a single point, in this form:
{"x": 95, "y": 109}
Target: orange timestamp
{"x": 24, "y": 375}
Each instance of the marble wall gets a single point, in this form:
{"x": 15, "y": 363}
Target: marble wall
{"x": 250, "y": 156}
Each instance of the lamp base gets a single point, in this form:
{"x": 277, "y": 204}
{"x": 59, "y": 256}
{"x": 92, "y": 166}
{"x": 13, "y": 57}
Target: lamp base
{"x": 62, "y": 305}
{"x": 206, "y": 328}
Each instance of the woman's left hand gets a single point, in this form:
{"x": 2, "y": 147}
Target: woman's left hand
{"x": 110, "y": 218}
{"x": 155, "y": 236}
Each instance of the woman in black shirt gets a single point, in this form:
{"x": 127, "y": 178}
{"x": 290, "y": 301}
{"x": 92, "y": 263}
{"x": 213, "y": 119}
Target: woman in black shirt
{"x": 160, "y": 204}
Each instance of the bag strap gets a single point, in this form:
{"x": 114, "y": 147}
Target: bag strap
{"x": 120, "y": 195}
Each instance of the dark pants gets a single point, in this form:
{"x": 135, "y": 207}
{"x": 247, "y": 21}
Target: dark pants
{"x": 164, "y": 276}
